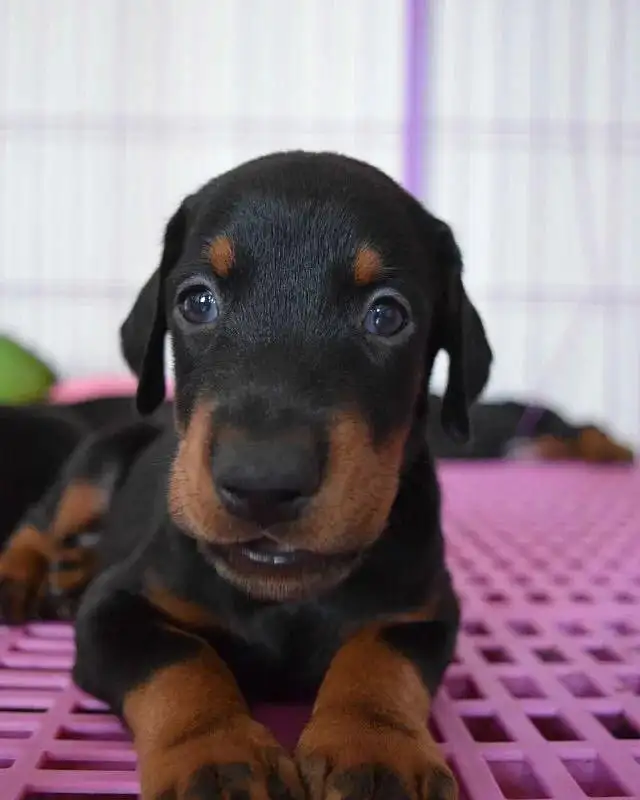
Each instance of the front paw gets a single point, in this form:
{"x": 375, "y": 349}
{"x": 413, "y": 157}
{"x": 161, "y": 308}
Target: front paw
{"x": 368, "y": 756}
{"x": 22, "y": 574}
{"x": 235, "y": 761}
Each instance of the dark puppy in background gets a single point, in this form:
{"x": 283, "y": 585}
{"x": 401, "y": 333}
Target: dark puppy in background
{"x": 508, "y": 428}
{"x": 49, "y": 530}
{"x": 36, "y": 441}
{"x": 282, "y": 541}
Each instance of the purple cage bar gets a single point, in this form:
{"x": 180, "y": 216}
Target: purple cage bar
{"x": 542, "y": 701}
{"x": 416, "y": 82}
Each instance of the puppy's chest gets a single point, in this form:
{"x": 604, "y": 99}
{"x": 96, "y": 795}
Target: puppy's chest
{"x": 280, "y": 657}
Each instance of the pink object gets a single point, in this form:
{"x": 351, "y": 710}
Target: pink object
{"x": 542, "y": 702}
{"x": 77, "y": 389}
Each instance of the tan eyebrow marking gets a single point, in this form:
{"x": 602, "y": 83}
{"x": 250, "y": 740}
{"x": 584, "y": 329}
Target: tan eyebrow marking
{"x": 367, "y": 266}
{"x": 221, "y": 255}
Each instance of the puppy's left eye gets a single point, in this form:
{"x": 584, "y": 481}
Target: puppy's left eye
{"x": 386, "y": 317}
{"x": 198, "y": 305}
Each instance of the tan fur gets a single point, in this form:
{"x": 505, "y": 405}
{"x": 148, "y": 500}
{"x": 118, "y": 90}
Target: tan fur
{"x": 191, "y": 715}
{"x": 591, "y": 445}
{"x": 81, "y": 566}
{"x": 221, "y": 255}
{"x": 367, "y": 266}
{"x": 365, "y": 716}
{"x": 23, "y": 569}
{"x": 349, "y": 511}
{"x": 360, "y": 486}
{"x": 595, "y": 445}
{"x": 184, "y": 612}
{"x": 193, "y": 502}
{"x": 80, "y": 505}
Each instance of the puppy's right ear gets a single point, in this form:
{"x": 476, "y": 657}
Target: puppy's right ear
{"x": 143, "y": 332}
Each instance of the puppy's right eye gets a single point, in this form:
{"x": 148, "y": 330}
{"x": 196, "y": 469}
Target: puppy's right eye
{"x": 198, "y": 305}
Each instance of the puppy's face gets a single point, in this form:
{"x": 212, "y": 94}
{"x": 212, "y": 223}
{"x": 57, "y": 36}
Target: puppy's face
{"x": 305, "y": 310}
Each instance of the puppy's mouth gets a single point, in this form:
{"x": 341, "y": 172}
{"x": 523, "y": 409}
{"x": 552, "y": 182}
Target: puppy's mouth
{"x": 273, "y": 570}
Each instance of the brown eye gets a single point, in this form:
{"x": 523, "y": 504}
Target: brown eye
{"x": 386, "y": 317}
{"x": 198, "y": 305}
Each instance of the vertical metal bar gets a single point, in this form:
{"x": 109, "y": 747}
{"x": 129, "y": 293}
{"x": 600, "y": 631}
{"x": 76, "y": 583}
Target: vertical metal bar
{"x": 416, "y": 81}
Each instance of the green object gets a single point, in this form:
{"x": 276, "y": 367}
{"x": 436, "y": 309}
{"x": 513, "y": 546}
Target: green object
{"x": 24, "y": 378}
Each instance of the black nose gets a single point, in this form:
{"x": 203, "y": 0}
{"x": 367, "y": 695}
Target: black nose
{"x": 266, "y": 481}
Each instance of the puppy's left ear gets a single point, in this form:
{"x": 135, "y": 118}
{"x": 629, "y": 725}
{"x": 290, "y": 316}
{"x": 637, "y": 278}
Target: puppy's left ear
{"x": 134, "y": 331}
{"x": 143, "y": 332}
{"x": 459, "y": 331}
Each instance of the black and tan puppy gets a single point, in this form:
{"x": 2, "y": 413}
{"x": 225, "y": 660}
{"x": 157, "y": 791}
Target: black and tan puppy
{"x": 52, "y": 498}
{"x": 501, "y": 427}
{"x": 284, "y": 537}
{"x": 35, "y": 442}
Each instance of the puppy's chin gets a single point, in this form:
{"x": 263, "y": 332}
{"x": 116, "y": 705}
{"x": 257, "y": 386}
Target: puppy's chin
{"x": 270, "y": 572}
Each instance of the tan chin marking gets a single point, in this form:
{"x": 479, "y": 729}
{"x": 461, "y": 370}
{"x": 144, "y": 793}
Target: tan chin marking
{"x": 193, "y": 503}
{"x": 352, "y": 507}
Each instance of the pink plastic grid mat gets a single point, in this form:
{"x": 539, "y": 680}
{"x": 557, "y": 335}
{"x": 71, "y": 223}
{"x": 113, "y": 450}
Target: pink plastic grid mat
{"x": 543, "y": 700}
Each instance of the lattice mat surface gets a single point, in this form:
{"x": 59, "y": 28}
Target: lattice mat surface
{"x": 543, "y": 700}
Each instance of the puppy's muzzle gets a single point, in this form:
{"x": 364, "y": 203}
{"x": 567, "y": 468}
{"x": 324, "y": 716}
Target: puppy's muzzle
{"x": 267, "y": 480}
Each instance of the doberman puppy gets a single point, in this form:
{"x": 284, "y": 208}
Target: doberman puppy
{"x": 43, "y": 576}
{"x": 500, "y": 426}
{"x": 281, "y": 540}
{"x": 36, "y": 441}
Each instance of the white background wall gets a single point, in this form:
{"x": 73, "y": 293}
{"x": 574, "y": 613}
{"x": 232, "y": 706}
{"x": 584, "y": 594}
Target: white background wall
{"x": 533, "y": 142}
{"x": 110, "y": 111}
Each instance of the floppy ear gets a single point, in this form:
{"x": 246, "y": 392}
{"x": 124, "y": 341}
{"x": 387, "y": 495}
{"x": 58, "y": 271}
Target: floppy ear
{"x": 143, "y": 332}
{"x": 461, "y": 333}
{"x": 134, "y": 331}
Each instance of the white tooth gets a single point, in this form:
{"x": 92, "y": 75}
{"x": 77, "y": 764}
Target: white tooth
{"x": 265, "y": 558}
{"x": 89, "y": 539}
{"x": 259, "y": 557}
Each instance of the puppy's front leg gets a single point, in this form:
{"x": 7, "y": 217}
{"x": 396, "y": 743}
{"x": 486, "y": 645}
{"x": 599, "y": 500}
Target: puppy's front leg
{"x": 192, "y": 730}
{"x": 368, "y": 735}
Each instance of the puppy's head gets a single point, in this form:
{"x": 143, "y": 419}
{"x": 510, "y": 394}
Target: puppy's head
{"x": 307, "y": 296}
